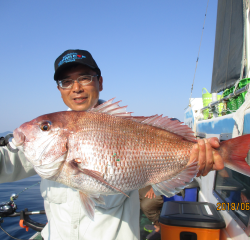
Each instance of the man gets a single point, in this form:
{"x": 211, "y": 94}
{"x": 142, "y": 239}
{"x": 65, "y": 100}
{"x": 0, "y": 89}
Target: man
{"x": 151, "y": 206}
{"x": 119, "y": 217}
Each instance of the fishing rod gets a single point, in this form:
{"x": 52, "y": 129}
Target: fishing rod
{"x": 8, "y": 209}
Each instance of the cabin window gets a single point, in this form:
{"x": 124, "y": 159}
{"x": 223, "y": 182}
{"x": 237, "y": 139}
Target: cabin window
{"x": 233, "y": 189}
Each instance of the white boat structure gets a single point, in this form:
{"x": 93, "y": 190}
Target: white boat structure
{"x": 228, "y": 190}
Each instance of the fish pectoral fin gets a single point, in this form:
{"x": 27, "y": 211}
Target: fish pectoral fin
{"x": 99, "y": 176}
{"x": 88, "y": 205}
{"x": 175, "y": 184}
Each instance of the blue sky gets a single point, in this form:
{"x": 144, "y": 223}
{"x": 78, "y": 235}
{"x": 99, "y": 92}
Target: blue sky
{"x": 146, "y": 50}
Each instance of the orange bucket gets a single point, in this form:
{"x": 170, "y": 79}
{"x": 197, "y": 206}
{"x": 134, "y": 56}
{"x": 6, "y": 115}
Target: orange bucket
{"x": 190, "y": 221}
{"x": 176, "y": 233}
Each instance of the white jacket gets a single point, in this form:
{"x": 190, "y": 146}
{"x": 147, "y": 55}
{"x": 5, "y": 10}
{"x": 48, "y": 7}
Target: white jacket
{"x": 118, "y": 219}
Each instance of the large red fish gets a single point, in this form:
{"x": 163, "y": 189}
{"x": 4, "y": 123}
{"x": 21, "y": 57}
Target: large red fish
{"x": 106, "y": 151}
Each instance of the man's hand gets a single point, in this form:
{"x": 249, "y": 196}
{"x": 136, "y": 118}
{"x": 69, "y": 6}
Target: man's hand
{"x": 207, "y": 157}
{"x": 243, "y": 198}
{"x": 150, "y": 194}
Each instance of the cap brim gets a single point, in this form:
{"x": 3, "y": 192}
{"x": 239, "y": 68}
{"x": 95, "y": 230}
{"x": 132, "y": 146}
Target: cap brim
{"x": 59, "y": 69}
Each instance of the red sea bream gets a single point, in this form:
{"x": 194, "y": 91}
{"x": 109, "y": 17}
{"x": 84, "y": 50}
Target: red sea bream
{"x": 107, "y": 151}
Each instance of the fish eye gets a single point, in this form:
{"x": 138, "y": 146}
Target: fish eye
{"x": 45, "y": 126}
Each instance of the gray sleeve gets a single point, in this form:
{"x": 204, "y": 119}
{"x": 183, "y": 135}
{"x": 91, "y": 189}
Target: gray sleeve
{"x": 14, "y": 166}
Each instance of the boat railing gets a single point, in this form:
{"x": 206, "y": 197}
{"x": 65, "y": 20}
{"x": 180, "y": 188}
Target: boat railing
{"x": 212, "y": 105}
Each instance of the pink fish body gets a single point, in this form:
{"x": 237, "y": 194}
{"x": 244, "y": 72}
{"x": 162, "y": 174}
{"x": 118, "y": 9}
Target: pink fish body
{"x": 106, "y": 151}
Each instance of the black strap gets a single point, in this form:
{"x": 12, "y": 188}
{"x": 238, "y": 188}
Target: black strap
{"x": 3, "y": 142}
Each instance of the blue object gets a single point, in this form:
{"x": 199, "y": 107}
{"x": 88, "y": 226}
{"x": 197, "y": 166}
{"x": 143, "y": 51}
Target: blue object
{"x": 191, "y": 193}
{"x": 224, "y": 124}
{"x": 190, "y": 196}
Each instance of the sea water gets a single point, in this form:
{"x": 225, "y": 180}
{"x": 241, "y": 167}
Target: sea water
{"x": 31, "y": 199}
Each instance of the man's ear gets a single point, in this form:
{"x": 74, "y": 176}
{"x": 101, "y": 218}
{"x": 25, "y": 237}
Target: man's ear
{"x": 59, "y": 90}
{"x": 100, "y": 83}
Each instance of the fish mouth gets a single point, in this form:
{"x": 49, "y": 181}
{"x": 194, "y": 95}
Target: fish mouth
{"x": 19, "y": 137}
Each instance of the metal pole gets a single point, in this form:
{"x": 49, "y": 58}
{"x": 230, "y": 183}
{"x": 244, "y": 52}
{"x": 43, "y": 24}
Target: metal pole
{"x": 227, "y": 97}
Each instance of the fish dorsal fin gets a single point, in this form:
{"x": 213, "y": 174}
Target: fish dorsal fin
{"x": 165, "y": 123}
{"x": 173, "y": 126}
{"x": 111, "y": 109}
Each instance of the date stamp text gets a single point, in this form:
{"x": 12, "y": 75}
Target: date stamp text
{"x": 223, "y": 206}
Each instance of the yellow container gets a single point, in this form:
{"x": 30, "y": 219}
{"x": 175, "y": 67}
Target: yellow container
{"x": 207, "y": 98}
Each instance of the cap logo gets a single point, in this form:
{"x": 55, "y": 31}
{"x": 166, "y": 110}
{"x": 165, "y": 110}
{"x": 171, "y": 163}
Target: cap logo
{"x": 70, "y": 57}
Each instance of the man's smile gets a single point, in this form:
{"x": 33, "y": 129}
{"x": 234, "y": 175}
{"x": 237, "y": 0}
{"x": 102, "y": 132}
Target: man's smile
{"x": 79, "y": 99}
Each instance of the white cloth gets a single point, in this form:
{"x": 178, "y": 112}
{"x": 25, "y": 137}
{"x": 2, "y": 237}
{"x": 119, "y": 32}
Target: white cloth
{"x": 118, "y": 219}
{"x": 14, "y": 166}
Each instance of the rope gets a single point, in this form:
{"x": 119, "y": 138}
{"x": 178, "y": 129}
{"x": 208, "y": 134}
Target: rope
{"x": 10, "y": 235}
{"x": 198, "y": 55}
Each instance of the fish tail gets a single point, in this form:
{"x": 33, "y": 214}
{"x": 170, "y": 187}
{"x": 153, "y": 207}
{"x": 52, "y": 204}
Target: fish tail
{"x": 234, "y": 151}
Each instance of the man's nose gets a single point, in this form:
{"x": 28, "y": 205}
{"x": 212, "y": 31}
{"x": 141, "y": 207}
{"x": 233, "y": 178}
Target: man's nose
{"x": 77, "y": 87}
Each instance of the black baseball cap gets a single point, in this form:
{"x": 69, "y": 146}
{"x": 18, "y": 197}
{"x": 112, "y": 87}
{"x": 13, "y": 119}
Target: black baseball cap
{"x": 71, "y": 57}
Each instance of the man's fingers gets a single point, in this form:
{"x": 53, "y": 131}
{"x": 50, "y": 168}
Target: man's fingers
{"x": 214, "y": 141}
{"x": 209, "y": 158}
{"x": 194, "y": 154}
{"x": 218, "y": 161}
{"x": 202, "y": 156}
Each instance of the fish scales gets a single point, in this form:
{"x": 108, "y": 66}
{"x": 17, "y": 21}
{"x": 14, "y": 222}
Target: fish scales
{"x": 146, "y": 152}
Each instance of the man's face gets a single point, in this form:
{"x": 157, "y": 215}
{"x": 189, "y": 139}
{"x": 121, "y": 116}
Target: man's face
{"x": 79, "y": 97}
